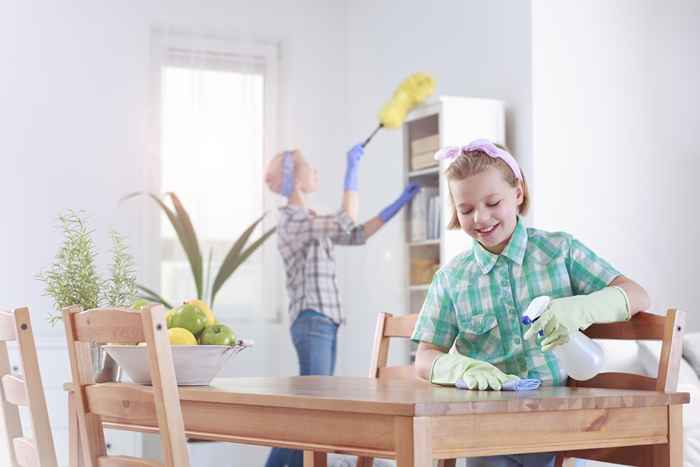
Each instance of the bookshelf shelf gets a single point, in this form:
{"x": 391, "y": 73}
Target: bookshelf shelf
{"x": 429, "y": 171}
{"x": 431, "y": 242}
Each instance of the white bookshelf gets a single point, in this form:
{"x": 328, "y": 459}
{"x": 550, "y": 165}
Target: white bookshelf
{"x": 456, "y": 121}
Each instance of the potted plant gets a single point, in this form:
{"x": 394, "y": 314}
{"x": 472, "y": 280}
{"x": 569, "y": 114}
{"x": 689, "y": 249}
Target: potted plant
{"x": 73, "y": 278}
{"x": 240, "y": 250}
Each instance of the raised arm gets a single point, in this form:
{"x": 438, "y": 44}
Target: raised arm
{"x": 350, "y": 202}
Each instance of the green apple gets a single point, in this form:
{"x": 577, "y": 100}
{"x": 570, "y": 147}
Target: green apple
{"x": 188, "y": 317}
{"x": 217, "y": 334}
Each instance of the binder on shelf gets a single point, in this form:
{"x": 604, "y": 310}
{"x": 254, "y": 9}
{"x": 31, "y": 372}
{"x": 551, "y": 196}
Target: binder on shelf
{"x": 425, "y": 215}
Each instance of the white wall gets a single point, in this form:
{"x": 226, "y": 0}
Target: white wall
{"x": 616, "y": 139}
{"x": 472, "y": 48}
{"x": 74, "y": 89}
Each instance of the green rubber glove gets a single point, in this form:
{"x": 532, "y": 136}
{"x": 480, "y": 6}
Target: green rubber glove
{"x": 449, "y": 368}
{"x": 566, "y": 315}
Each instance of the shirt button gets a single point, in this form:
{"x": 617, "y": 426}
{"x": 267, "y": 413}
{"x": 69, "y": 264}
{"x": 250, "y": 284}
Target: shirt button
{"x": 516, "y": 341}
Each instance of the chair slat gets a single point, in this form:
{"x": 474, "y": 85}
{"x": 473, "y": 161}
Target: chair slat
{"x": 400, "y": 326}
{"x": 109, "y": 325}
{"x": 126, "y": 461}
{"x": 614, "y": 380}
{"x": 25, "y": 452}
{"x": 642, "y": 326}
{"x": 132, "y": 402}
{"x": 15, "y": 390}
{"x": 7, "y": 326}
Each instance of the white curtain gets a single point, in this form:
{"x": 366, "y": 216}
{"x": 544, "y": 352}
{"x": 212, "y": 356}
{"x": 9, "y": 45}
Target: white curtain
{"x": 215, "y": 131}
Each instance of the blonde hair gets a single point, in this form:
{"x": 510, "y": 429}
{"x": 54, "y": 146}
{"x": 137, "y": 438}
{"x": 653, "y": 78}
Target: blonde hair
{"x": 474, "y": 162}
{"x": 273, "y": 170}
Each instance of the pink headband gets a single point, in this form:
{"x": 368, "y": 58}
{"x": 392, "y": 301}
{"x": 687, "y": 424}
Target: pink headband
{"x": 450, "y": 153}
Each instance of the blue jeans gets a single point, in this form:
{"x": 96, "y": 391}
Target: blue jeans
{"x": 513, "y": 460}
{"x": 314, "y": 336}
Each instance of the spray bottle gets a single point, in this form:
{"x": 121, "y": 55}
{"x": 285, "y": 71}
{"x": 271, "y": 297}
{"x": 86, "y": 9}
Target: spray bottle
{"x": 581, "y": 357}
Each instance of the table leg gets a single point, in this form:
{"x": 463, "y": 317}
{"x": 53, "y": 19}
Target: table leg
{"x": 671, "y": 454}
{"x": 413, "y": 441}
{"x": 315, "y": 459}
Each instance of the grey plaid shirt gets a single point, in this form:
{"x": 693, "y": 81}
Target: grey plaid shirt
{"x": 305, "y": 241}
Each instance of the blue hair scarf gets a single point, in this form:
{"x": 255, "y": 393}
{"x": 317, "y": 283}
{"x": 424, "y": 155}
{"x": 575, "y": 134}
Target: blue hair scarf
{"x": 287, "y": 174}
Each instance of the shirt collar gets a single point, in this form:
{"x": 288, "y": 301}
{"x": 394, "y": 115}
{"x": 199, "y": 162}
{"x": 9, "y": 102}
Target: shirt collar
{"x": 514, "y": 250}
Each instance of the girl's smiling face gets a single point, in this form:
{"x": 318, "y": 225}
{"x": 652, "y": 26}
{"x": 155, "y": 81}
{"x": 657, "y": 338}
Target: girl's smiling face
{"x": 487, "y": 207}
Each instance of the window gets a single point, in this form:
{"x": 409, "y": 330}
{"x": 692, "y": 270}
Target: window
{"x": 215, "y": 113}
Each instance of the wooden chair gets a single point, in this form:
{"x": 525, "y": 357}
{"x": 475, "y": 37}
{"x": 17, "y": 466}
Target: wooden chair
{"x": 121, "y": 326}
{"x": 388, "y": 327}
{"x": 26, "y": 391}
{"x": 643, "y": 326}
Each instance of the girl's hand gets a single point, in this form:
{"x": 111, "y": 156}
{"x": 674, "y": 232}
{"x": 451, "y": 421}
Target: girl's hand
{"x": 570, "y": 314}
{"x": 476, "y": 374}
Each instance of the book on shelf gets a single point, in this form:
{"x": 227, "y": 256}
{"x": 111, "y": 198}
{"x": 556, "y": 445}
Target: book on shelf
{"x": 423, "y": 152}
{"x": 422, "y": 271}
{"x": 427, "y": 144}
{"x": 425, "y": 215}
{"x": 423, "y": 160}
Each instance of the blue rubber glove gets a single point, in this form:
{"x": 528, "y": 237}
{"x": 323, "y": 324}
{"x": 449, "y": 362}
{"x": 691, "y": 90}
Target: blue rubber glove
{"x": 354, "y": 155}
{"x": 408, "y": 193}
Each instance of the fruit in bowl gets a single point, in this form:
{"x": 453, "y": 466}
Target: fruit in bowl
{"x": 202, "y": 305}
{"x": 189, "y": 317}
{"x": 200, "y": 346}
{"x": 181, "y": 336}
{"x": 217, "y": 334}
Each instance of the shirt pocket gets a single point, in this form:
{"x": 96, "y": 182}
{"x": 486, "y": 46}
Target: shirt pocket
{"x": 481, "y": 336}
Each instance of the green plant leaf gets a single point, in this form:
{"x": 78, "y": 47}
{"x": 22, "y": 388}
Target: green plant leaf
{"x": 151, "y": 295}
{"x": 207, "y": 281}
{"x": 190, "y": 244}
{"x": 233, "y": 254}
{"x": 180, "y": 221}
{"x": 234, "y": 258}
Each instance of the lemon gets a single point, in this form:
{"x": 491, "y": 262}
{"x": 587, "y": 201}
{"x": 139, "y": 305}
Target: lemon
{"x": 205, "y": 308}
{"x": 181, "y": 336}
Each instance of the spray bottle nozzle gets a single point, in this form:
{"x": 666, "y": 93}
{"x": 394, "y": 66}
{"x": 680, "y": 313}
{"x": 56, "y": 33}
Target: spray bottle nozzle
{"x": 534, "y": 310}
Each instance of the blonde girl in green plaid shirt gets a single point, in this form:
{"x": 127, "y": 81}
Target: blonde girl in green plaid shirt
{"x": 475, "y": 302}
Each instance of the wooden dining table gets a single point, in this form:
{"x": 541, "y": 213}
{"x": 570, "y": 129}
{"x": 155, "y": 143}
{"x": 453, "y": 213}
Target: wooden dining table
{"x": 411, "y": 421}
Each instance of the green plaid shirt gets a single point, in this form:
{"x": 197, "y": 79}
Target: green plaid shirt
{"x": 475, "y": 302}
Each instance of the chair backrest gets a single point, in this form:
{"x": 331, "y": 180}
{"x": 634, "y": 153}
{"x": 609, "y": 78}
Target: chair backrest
{"x": 643, "y": 326}
{"x": 85, "y": 329}
{"x": 388, "y": 327}
{"x": 26, "y": 391}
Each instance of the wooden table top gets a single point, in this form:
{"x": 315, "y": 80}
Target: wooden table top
{"x": 412, "y": 398}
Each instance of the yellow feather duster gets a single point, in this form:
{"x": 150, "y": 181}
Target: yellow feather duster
{"x": 411, "y": 92}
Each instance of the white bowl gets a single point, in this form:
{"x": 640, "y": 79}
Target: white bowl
{"x": 195, "y": 365}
